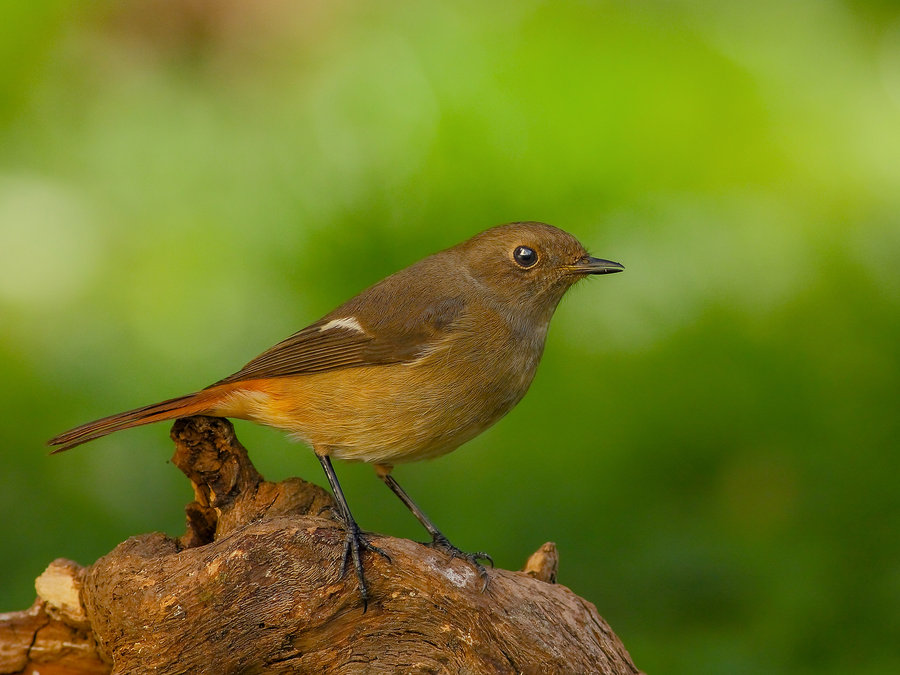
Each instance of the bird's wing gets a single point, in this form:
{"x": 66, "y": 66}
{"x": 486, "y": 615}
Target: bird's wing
{"x": 347, "y": 338}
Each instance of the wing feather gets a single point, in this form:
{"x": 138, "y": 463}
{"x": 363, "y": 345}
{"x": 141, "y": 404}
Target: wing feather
{"x": 355, "y": 340}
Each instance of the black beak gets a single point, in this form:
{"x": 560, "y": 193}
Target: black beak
{"x": 589, "y": 265}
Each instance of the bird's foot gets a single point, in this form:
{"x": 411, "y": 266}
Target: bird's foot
{"x": 354, "y": 543}
{"x": 441, "y": 542}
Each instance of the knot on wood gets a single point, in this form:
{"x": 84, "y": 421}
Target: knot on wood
{"x": 228, "y": 490}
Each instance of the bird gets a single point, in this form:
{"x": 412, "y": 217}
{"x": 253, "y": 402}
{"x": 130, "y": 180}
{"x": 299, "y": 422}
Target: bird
{"x": 409, "y": 369}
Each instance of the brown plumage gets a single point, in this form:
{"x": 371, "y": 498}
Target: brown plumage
{"x": 410, "y": 368}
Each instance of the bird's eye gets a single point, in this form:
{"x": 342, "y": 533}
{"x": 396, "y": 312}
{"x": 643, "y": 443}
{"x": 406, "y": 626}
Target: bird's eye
{"x": 524, "y": 256}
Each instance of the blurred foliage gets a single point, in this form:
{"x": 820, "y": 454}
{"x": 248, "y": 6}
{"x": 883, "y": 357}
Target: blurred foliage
{"x": 712, "y": 437}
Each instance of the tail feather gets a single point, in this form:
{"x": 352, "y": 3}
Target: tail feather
{"x": 183, "y": 406}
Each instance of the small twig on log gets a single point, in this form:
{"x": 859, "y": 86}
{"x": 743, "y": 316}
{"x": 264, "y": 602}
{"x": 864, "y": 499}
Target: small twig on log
{"x": 255, "y": 585}
{"x": 543, "y": 563}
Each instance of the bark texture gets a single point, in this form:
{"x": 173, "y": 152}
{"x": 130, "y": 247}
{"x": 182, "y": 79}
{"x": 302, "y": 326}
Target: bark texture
{"x": 255, "y": 586}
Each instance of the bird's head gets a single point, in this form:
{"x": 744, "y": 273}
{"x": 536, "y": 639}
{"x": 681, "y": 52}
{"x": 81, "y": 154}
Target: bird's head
{"x": 527, "y": 267}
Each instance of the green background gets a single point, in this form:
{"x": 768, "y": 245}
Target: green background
{"x": 712, "y": 438}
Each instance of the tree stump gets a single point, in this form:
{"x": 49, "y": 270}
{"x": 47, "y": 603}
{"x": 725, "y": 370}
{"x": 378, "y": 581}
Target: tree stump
{"x": 255, "y": 586}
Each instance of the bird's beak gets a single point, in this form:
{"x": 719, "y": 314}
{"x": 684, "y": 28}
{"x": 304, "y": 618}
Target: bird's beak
{"x": 589, "y": 265}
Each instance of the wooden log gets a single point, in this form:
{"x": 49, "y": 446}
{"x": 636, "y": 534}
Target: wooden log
{"x": 255, "y": 586}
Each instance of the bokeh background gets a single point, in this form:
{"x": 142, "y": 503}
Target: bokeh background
{"x": 712, "y": 438}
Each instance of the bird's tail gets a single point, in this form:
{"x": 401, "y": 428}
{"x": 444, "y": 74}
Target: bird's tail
{"x": 183, "y": 406}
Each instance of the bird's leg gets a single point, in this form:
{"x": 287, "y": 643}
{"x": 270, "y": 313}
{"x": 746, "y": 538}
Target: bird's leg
{"x": 355, "y": 540}
{"x": 438, "y": 540}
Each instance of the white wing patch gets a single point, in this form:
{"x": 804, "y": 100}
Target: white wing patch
{"x": 349, "y": 322}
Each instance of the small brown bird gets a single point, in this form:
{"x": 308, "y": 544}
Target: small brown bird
{"x": 409, "y": 369}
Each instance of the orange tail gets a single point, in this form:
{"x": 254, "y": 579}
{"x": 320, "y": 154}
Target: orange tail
{"x": 183, "y": 406}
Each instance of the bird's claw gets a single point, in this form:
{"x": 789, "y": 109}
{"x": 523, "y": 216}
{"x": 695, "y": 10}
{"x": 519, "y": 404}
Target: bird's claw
{"x": 354, "y": 542}
{"x": 441, "y": 542}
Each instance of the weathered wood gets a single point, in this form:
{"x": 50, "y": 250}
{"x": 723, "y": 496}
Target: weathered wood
{"x": 255, "y": 586}
{"x": 39, "y": 640}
